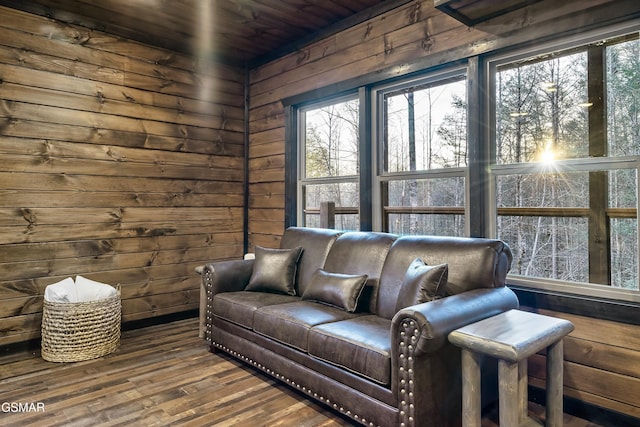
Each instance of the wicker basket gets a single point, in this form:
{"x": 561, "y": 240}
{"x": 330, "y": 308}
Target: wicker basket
{"x": 76, "y": 331}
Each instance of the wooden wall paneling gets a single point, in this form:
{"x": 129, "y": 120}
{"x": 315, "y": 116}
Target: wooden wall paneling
{"x": 273, "y": 215}
{"x": 274, "y": 148}
{"x": 363, "y": 51}
{"x": 593, "y": 386}
{"x": 267, "y": 240}
{"x": 118, "y": 161}
{"x": 349, "y": 38}
{"x": 266, "y": 117}
{"x": 61, "y": 198}
{"x": 125, "y": 168}
{"x": 426, "y": 34}
{"x": 104, "y": 101}
{"x": 73, "y": 53}
{"x": 71, "y": 40}
{"x": 602, "y": 363}
{"x": 275, "y": 135}
{"x": 267, "y": 195}
{"x": 99, "y": 40}
{"x": 266, "y": 177}
{"x": 21, "y": 327}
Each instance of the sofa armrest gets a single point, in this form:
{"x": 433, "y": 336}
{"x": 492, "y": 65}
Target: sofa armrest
{"x": 434, "y": 320}
{"x": 221, "y": 276}
{"x": 423, "y": 363}
{"x": 226, "y": 276}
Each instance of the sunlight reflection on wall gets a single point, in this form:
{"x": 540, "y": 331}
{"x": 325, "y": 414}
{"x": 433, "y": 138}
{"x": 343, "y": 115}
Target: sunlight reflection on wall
{"x": 204, "y": 47}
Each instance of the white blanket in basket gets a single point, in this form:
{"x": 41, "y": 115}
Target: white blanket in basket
{"x": 80, "y": 290}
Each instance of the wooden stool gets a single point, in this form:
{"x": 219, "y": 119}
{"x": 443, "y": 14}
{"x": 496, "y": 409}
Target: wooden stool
{"x": 512, "y": 337}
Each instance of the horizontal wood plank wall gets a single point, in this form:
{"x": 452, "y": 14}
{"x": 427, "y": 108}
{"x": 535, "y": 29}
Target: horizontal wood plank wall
{"x": 602, "y": 363}
{"x": 119, "y": 162}
{"x": 389, "y": 45}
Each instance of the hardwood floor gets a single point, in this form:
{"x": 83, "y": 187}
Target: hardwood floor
{"x": 160, "y": 375}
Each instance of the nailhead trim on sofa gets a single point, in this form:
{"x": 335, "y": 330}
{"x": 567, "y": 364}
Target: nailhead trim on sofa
{"x": 208, "y": 335}
{"x": 208, "y": 279}
{"x": 408, "y": 337}
{"x": 292, "y": 383}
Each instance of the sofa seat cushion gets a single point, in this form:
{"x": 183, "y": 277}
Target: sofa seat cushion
{"x": 290, "y": 323}
{"x": 362, "y": 345}
{"x": 239, "y": 307}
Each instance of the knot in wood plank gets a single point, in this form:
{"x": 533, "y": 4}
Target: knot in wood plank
{"x": 29, "y": 216}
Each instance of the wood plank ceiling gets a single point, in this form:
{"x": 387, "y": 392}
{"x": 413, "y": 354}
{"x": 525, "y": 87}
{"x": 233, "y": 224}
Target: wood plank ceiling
{"x": 233, "y": 31}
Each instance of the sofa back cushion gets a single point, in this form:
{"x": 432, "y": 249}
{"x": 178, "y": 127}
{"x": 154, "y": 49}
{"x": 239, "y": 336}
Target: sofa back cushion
{"x": 472, "y": 263}
{"x": 360, "y": 253}
{"x": 315, "y": 243}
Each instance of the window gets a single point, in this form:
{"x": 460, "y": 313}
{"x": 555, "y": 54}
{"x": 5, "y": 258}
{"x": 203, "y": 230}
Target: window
{"x": 422, "y": 140}
{"x": 567, "y": 140}
{"x": 329, "y": 162}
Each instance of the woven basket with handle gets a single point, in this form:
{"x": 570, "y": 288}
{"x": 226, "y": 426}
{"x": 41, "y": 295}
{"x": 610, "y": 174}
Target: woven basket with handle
{"x": 76, "y": 331}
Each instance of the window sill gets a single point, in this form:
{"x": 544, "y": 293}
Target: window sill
{"x": 597, "y": 307}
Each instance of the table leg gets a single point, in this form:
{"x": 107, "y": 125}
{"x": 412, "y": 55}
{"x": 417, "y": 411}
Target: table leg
{"x": 508, "y": 393}
{"x": 471, "y": 398}
{"x": 523, "y": 393}
{"x": 555, "y": 359}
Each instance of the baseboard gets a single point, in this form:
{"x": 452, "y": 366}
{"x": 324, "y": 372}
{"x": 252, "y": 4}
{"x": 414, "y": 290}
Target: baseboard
{"x": 158, "y": 320}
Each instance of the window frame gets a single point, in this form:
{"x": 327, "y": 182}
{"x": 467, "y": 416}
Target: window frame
{"x": 301, "y": 180}
{"x": 379, "y": 176}
{"x": 492, "y": 63}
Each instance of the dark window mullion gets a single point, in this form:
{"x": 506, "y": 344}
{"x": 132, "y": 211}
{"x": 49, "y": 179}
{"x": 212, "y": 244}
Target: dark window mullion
{"x": 599, "y": 230}
{"x": 366, "y": 169}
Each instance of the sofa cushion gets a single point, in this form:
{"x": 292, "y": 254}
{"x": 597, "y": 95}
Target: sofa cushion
{"x": 361, "y": 252}
{"x": 316, "y": 243}
{"x": 422, "y": 283}
{"x": 338, "y": 290}
{"x": 362, "y": 345}
{"x": 290, "y": 323}
{"x": 239, "y": 307}
{"x": 274, "y": 270}
{"x": 473, "y": 263}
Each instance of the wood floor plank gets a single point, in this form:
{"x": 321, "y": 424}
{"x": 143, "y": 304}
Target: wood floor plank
{"x": 160, "y": 375}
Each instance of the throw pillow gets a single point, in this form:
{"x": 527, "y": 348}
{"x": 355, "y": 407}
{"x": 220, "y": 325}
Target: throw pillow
{"x": 274, "y": 270}
{"x": 422, "y": 283}
{"x": 338, "y": 290}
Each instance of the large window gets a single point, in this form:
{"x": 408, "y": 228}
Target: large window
{"x": 329, "y": 162}
{"x": 422, "y": 147}
{"x": 567, "y": 139}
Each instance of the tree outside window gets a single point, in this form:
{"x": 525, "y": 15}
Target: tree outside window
{"x": 424, "y": 156}
{"x": 331, "y": 147}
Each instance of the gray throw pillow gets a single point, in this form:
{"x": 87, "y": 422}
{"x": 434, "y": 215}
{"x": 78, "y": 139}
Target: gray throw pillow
{"x": 335, "y": 289}
{"x": 422, "y": 283}
{"x": 274, "y": 270}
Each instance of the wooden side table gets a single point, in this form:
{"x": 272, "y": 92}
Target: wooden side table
{"x": 512, "y": 337}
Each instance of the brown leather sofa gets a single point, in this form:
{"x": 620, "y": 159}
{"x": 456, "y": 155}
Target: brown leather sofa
{"x": 359, "y": 320}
